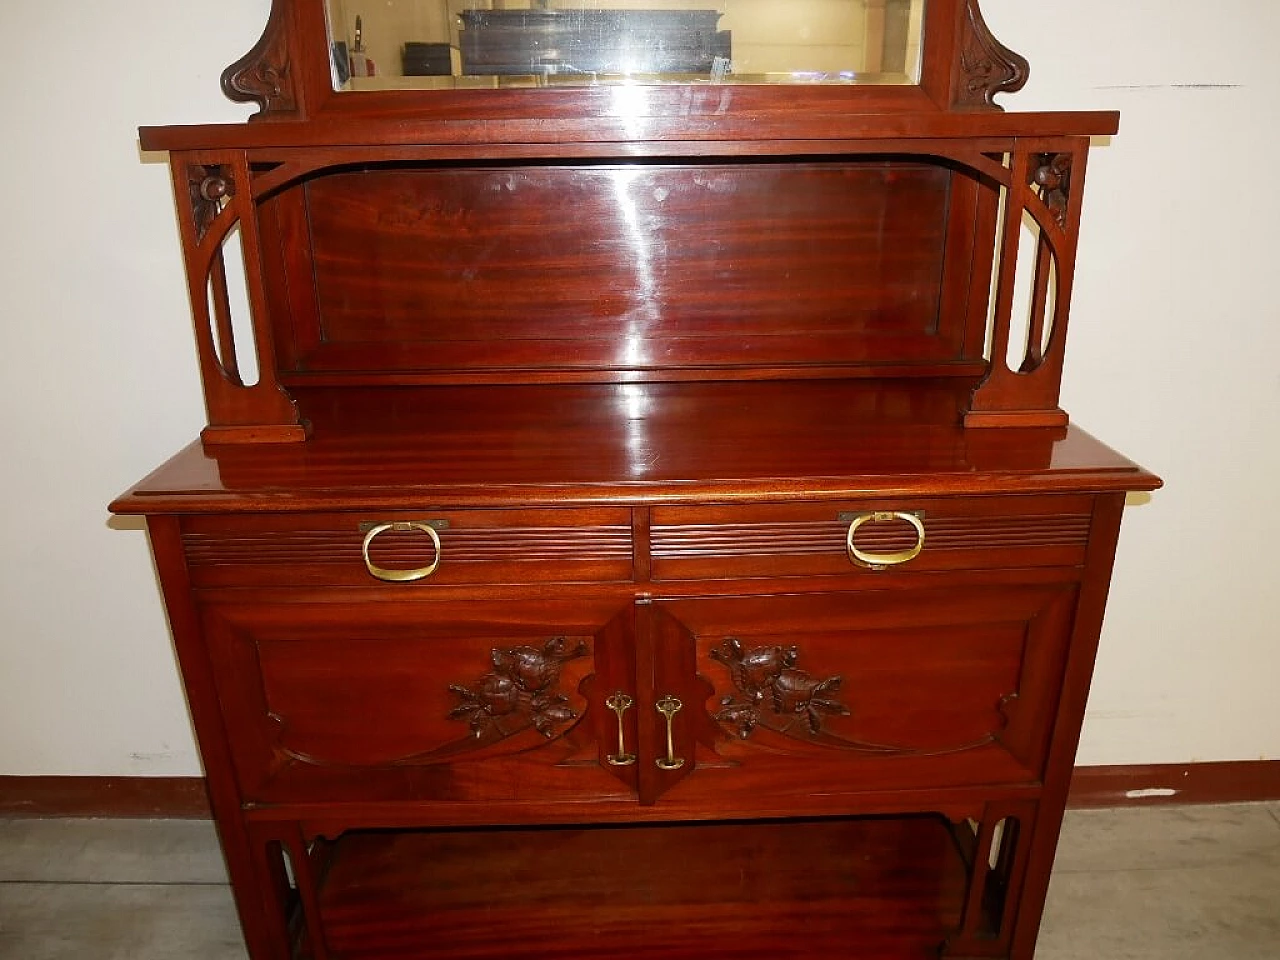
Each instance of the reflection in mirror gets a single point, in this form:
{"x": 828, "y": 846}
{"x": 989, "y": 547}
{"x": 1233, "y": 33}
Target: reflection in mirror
{"x": 459, "y": 44}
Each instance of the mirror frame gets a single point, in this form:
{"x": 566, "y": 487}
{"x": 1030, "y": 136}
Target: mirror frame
{"x": 288, "y": 74}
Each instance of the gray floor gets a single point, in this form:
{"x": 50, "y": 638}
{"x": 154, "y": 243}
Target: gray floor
{"x": 1173, "y": 883}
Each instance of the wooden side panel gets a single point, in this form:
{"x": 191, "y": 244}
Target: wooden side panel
{"x": 659, "y": 265}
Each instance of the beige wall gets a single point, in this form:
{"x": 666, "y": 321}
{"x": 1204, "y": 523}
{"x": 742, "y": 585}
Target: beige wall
{"x": 1173, "y": 359}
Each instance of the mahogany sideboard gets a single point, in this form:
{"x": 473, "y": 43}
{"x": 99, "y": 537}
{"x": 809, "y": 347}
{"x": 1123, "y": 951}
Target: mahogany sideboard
{"x": 639, "y": 519}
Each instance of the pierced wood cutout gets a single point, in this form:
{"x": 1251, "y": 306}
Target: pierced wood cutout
{"x": 773, "y": 694}
{"x": 265, "y": 74}
{"x": 987, "y": 66}
{"x": 1051, "y": 176}
{"x": 520, "y": 692}
{"x": 211, "y": 187}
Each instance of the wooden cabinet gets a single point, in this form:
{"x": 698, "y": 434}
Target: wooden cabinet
{"x": 643, "y": 535}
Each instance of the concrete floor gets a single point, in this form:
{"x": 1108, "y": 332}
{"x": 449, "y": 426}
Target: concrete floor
{"x": 1174, "y": 883}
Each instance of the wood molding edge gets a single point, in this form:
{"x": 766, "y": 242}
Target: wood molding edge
{"x": 186, "y": 798}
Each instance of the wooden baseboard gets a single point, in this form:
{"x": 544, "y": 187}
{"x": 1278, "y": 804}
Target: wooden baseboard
{"x": 1245, "y": 781}
{"x": 176, "y": 798}
{"x": 1091, "y": 787}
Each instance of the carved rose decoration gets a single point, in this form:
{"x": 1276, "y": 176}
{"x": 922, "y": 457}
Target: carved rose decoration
{"x": 522, "y": 687}
{"x": 771, "y": 690}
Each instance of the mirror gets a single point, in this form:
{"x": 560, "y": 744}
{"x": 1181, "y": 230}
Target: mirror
{"x": 462, "y": 44}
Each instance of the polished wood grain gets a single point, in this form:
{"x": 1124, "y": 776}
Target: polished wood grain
{"x": 636, "y": 355}
{"x": 848, "y": 888}
{"x": 657, "y": 266}
{"x": 641, "y": 132}
{"x": 630, "y": 443}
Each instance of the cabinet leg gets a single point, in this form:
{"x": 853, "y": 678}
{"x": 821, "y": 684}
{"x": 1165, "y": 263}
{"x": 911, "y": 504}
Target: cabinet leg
{"x": 286, "y": 880}
{"x": 997, "y": 852}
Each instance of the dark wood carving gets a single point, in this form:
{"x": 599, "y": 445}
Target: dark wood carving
{"x": 211, "y": 186}
{"x": 772, "y": 691}
{"x": 520, "y": 692}
{"x": 265, "y": 75}
{"x": 1051, "y": 175}
{"x": 987, "y": 67}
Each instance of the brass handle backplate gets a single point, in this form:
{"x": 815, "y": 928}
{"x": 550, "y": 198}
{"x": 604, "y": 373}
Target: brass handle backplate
{"x": 400, "y": 576}
{"x": 879, "y": 561}
{"x": 669, "y": 706}
{"x": 620, "y": 703}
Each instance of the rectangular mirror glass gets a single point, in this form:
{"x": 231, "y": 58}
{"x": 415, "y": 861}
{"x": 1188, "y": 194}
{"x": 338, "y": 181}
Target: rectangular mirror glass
{"x": 462, "y": 44}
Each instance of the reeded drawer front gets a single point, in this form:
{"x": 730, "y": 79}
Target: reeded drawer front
{"x": 431, "y": 546}
{"x": 814, "y": 539}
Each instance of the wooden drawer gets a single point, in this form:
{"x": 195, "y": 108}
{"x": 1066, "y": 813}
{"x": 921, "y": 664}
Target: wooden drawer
{"x": 476, "y": 547}
{"x": 809, "y": 539}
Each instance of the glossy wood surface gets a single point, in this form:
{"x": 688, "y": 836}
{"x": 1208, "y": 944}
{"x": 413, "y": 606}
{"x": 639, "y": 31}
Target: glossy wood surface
{"x": 847, "y": 888}
{"x": 840, "y": 120}
{"x": 635, "y": 356}
{"x": 628, "y": 267}
{"x": 626, "y": 443}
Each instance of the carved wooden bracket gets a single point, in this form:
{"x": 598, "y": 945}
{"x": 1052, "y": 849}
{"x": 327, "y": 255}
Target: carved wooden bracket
{"x": 266, "y": 75}
{"x": 987, "y": 67}
{"x": 520, "y": 692}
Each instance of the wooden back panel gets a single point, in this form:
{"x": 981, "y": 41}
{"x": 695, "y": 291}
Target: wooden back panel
{"x": 552, "y": 270}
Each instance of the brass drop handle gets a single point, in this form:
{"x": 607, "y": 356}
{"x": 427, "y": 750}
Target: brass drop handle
{"x": 620, "y": 703}
{"x": 400, "y": 576}
{"x": 878, "y": 561}
{"x": 669, "y": 706}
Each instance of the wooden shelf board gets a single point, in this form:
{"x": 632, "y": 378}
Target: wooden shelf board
{"x": 882, "y": 888}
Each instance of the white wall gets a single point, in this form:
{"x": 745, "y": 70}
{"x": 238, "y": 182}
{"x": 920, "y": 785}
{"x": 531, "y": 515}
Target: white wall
{"x": 1173, "y": 359}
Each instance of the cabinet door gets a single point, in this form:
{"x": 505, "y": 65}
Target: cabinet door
{"x": 442, "y": 701}
{"x": 807, "y": 698}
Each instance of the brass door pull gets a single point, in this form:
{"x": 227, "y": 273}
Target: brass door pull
{"x": 669, "y": 706}
{"x": 400, "y": 576}
{"x": 878, "y": 561}
{"x": 620, "y": 703}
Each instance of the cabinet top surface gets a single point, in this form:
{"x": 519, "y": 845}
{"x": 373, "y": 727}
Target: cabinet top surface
{"x": 629, "y": 443}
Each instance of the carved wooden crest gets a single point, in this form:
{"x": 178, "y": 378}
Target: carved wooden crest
{"x": 987, "y": 66}
{"x": 266, "y": 75}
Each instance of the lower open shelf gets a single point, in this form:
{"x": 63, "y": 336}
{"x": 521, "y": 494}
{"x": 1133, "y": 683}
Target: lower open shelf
{"x": 868, "y": 887}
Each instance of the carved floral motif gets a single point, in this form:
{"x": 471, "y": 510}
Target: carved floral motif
{"x": 769, "y": 685}
{"x": 210, "y": 187}
{"x": 1051, "y": 176}
{"x": 771, "y": 693}
{"x": 520, "y": 692}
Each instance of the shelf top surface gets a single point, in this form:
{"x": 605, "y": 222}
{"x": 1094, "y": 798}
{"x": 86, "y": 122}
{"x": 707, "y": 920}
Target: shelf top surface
{"x": 408, "y": 131}
{"x": 629, "y": 443}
